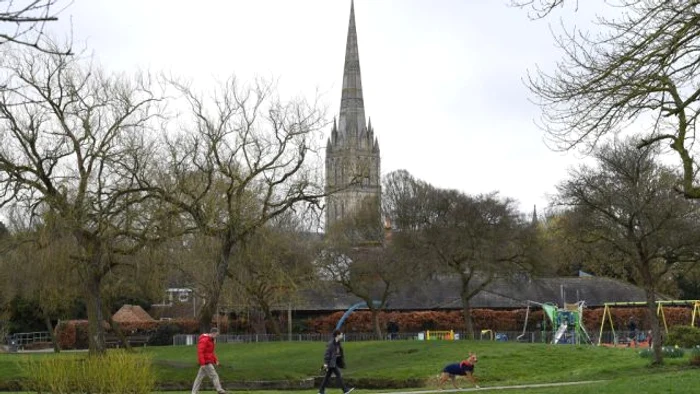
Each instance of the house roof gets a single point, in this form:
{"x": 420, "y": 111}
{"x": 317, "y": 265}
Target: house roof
{"x": 444, "y": 293}
{"x": 131, "y": 314}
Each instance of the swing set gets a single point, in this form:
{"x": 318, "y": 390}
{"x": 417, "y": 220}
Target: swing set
{"x": 659, "y": 312}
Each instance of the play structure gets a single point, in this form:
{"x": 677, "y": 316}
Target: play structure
{"x": 352, "y": 309}
{"x": 565, "y": 324}
{"x": 493, "y": 336}
{"x": 442, "y": 335}
{"x": 607, "y": 315}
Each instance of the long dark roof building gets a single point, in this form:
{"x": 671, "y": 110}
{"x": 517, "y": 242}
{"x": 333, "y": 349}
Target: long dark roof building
{"x": 443, "y": 294}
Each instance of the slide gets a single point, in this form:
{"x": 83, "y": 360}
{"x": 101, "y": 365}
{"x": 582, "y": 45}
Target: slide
{"x": 560, "y": 332}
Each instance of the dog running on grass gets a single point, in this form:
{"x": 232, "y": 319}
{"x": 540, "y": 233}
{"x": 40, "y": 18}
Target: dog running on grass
{"x": 464, "y": 368}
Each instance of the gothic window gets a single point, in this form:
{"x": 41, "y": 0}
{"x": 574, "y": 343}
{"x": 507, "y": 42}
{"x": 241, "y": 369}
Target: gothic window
{"x": 335, "y": 171}
{"x": 342, "y": 174}
{"x": 373, "y": 171}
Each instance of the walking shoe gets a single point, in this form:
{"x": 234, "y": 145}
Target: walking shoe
{"x": 349, "y": 390}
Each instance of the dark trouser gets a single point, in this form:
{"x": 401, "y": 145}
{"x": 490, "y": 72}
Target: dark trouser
{"x": 338, "y": 379}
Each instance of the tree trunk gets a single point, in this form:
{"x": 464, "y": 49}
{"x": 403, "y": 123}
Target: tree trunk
{"x": 116, "y": 328}
{"x": 655, "y": 328}
{"x": 207, "y": 311}
{"x": 468, "y": 322}
{"x": 375, "y": 321}
{"x": 270, "y": 317}
{"x": 96, "y": 331}
{"x": 211, "y": 305}
{"x": 466, "y": 305}
{"x": 52, "y": 334}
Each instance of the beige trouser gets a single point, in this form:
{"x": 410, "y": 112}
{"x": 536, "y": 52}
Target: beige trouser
{"x": 210, "y": 371}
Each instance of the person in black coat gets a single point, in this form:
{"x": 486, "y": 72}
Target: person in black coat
{"x": 333, "y": 360}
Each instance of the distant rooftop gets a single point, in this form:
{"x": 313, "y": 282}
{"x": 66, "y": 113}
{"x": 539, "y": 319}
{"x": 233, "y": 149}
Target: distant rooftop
{"x": 443, "y": 293}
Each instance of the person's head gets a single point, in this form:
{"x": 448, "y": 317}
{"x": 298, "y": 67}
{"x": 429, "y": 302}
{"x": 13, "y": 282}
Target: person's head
{"x": 337, "y": 335}
{"x": 214, "y": 332}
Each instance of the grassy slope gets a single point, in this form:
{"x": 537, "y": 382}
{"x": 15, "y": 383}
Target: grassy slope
{"x": 499, "y": 364}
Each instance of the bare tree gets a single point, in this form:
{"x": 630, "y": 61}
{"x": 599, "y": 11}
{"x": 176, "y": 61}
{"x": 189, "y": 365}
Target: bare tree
{"x": 628, "y": 219}
{"x": 273, "y": 266}
{"x": 475, "y": 238}
{"x": 36, "y": 266}
{"x": 22, "y": 22}
{"x": 540, "y": 8}
{"x": 370, "y": 270}
{"x": 405, "y": 200}
{"x": 559, "y": 254}
{"x": 242, "y": 159}
{"x": 642, "y": 67}
{"x": 73, "y": 138}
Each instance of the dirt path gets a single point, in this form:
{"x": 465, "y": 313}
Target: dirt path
{"x": 493, "y": 388}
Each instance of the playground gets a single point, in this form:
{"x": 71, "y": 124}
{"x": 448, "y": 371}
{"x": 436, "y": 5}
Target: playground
{"x": 559, "y": 325}
{"x": 566, "y": 325}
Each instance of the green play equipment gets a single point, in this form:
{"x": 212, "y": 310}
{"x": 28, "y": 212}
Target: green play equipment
{"x": 566, "y": 324}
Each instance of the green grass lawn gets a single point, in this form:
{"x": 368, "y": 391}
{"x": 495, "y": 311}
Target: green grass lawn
{"x": 416, "y": 363}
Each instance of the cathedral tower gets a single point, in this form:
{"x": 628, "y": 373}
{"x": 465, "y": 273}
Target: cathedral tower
{"x": 352, "y": 152}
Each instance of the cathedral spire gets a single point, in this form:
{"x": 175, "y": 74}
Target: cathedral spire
{"x": 352, "y": 107}
{"x": 534, "y": 215}
{"x": 353, "y": 167}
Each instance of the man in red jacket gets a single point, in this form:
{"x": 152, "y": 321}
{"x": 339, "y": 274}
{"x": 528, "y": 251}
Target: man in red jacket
{"x": 207, "y": 361}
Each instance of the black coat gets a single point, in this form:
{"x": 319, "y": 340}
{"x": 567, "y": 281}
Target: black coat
{"x": 334, "y": 355}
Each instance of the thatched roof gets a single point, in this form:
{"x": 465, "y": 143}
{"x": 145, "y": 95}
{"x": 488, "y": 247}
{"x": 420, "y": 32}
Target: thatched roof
{"x": 131, "y": 314}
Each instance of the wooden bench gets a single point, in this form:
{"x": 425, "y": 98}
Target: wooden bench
{"x": 112, "y": 341}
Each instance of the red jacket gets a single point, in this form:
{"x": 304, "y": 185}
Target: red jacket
{"x": 205, "y": 350}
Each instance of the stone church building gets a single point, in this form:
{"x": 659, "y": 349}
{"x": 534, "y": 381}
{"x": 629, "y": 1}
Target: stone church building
{"x": 352, "y": 153}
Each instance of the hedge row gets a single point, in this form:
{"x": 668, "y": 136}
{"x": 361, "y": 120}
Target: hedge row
{"x": 500, "y": 320}
{"x": 73, "y": 334}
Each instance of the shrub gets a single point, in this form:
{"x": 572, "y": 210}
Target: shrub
{"x": 683, "y": 336}
{"x": 163, "y": 335}
{"x": 73, "y": 334}
{"x": 65, "y": 333}
{"x": 695, "y": 357}
{"x": 82, "y": 335}
{"x": 115, "y": 372}
{"x": 668, "y": 352}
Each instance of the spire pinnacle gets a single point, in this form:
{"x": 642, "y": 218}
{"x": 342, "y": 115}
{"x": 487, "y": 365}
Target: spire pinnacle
{"x": 352, "y": 109}
{"x": 534, "y": 215}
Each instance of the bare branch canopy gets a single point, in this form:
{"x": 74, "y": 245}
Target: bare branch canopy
{"x": 23, "y": 23}
{"x": 640, "y": 71}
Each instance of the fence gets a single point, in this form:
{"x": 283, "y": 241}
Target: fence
{"x": 179, "y": 340}
{"x": 21, "y": 339}
{"x": 528, "y": 337}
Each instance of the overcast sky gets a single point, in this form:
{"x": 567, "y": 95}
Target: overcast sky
{"x": 442, "y": 79}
